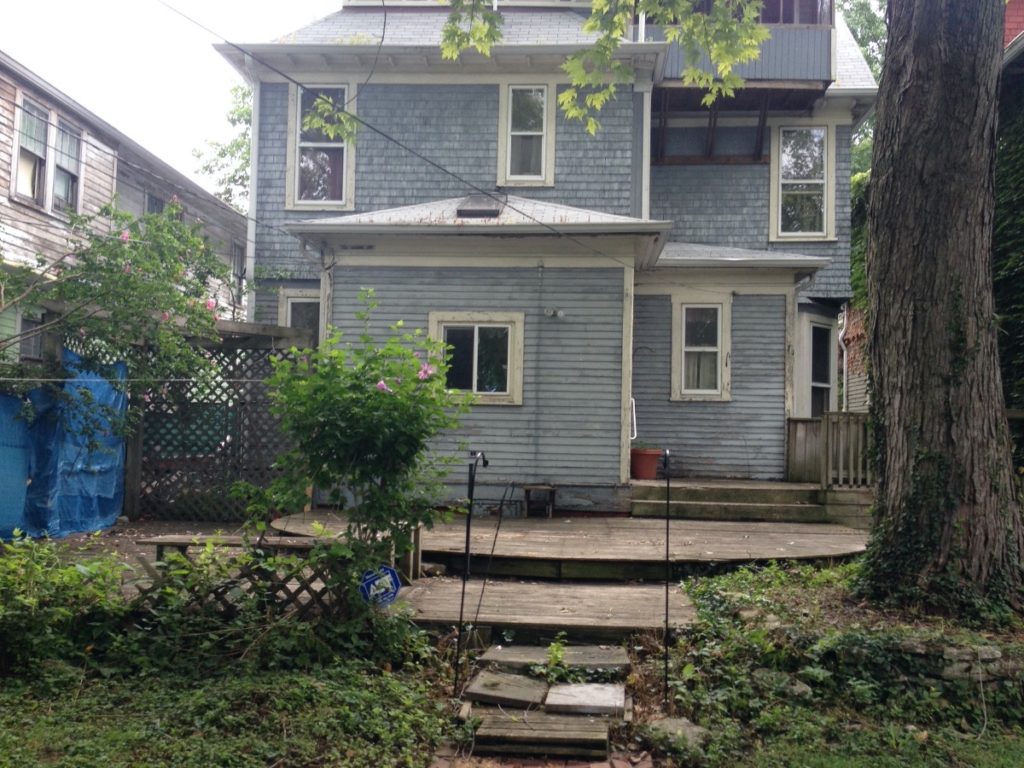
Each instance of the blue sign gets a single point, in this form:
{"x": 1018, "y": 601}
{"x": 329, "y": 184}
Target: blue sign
{"x": 380, "y": 587}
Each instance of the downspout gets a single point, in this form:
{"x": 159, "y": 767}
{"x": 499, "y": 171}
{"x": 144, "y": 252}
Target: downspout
{"x": 846, "y": 354}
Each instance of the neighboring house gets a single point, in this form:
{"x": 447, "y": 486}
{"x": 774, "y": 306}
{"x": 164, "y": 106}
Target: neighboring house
{"x": 692, "y": 261}
{"x": 56, "y": 158}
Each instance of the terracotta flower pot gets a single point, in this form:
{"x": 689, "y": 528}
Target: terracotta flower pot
{"x": 643, "y": 463}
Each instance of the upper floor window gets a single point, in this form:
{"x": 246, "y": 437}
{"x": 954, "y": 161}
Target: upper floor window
{"x": 802, "y": 181}
{"x": 155, "y": 204}
{"x": 49, "y": 166}
{"x": 796, "y": 12}
{"x": 321, "y": 159}
{"x": 526, "y": 146}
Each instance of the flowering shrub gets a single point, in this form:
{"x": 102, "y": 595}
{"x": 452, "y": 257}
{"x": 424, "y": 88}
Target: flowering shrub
{"x": 361, "y": 416}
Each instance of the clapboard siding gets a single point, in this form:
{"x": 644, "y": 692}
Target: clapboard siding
{"x": 857, "y": 392}
{"x": 744, "y": 437}
{"x": 792, "y": 53}
{"x": 455, "y": 126}
{"x": 567, "y": 430}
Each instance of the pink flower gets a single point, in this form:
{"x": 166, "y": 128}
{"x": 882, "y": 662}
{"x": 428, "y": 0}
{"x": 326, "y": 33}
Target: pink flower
{"x": 211, "y": 304}
{"x": 426, "y": 371}
{"x": 382, "y": 386}
{"x": 125, "y": 235}
{"x": 165, "y": 316}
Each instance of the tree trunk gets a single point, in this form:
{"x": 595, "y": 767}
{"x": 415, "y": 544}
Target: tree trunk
{"x": 948, "y": 529}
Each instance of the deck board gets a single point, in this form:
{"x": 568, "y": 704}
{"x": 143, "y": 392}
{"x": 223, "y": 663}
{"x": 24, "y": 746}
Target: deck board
{"x": 613, "y": 610}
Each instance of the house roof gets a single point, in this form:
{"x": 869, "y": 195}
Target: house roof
{"x": 515, "y": 216}
{"x": 852, "y": 71}
{"x": 698, "y": 255}
{"x": 421, "y": 26}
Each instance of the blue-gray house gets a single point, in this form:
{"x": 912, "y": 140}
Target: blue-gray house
{"x": 675, "y": 278}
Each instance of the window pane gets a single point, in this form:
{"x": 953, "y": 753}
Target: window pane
{"x": 154, "y": 204}
{"x": 492, "y": 360}
{"x": 701, "y": 327}
{"x": 821, "y": 355}
{"x": 819, "y": 401}
{"x": 308, "y": 98}
{"x": 321, "y": 172}
{"x": 526, "y": 156}
{"x": 803, "y": 154}
{"x": 701, "y": 370}
{"x": 65, "y": 190}
{"x": 33, "y": 128}
{"x": 460, "y": 362}
{"x": 306, "y": 315}
{"x": 527, "y": 110}
{"x": 30, "y": 175}
{"x": 803, "y": 208}
{"x": 68, "y": 147}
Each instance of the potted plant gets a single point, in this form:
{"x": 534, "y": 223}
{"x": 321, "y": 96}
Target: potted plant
{"x": 643, "y": 461}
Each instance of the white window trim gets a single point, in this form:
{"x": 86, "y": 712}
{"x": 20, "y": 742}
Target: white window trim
{"x": 292, "y": 201}
{"x": 723, "y": 301}
{"x": 515, "y": 321}
{"x": 775, "y": 233}
{"x": 50, "y": 170}
{"x": 287, "y": 297}
{"x": 832, "y": 385}
{"x": 547, "y": 177}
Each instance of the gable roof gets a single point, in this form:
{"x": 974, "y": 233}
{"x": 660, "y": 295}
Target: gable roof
{"x": 852, "y": 71}
{"x": 697, "y": 255}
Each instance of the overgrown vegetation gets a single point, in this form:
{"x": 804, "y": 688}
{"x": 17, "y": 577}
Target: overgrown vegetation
{"x": 784, "y": 668}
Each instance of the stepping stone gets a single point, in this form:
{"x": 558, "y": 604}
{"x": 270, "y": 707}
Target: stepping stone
{"x": 587, "y": 699}
{"x": 521, "y": 657}
{"x": 540, "y": 733}
{"x": 680, "y": 728}
{"x": 507, "y": 690}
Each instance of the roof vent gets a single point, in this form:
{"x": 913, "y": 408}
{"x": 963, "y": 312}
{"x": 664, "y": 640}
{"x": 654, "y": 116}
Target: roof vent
{"x": 481, "y": 207}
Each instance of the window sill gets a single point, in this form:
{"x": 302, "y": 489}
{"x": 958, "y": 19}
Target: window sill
{"x": 520, "y": 183}
{"x": 501, "y": 400}
{"x": 723, "y": 397}
{"x": 319, "y": 205}
{"x": 28, "y": 202}
{"x": 802, "y": 239}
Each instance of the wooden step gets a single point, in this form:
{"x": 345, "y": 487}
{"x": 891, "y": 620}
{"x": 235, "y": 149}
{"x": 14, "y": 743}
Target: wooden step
{"x": 733, "y": 511}
{"x": 540, "y": 733}
{"x": 750, "y": 492}
{"x": 587, "y": 699}
{"x": 607, "y": 658}
{"x": 506, "y": 689}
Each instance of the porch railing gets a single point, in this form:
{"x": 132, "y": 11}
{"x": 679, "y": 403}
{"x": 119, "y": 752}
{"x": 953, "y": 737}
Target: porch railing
{"x": 832, "y": 450}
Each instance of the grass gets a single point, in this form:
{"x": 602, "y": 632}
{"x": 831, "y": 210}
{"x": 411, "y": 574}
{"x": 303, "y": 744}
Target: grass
{"x": 345, "y": 715}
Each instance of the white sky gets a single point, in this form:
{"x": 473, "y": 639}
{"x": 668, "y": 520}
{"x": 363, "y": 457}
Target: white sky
{"x": 145, "y": 70}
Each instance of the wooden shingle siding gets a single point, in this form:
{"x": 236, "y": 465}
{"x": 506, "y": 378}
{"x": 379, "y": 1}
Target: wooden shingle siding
{"x": 456, "y": 126}
{"x": 744, "y": 437}
{"x": 567, "y": 431}
{"x": 792, "y": 53}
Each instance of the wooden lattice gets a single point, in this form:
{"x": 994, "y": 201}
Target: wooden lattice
{"x": 200, "y": 438}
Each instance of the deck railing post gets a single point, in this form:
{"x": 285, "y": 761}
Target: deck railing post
{"x": 668, "y": 561}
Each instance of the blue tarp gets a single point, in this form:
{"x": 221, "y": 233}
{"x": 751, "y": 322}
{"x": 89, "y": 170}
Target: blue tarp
{"x": 74, "y": 486}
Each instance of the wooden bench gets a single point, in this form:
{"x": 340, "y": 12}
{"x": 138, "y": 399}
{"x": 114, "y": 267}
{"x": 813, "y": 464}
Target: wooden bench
{"x": 409, "y": 565}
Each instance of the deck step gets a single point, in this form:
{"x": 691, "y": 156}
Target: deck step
{"x": 540, "y": 733}
{"x": 741, "y": 493}
{"x": 611, "y": 659}
{"x": 507, "y": 690}
{"x": 587, "y": 699}
{"x": 733, "y": 511}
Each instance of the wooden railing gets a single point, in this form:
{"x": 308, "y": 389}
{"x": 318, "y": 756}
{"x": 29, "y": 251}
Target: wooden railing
{"x": 832, "y": 450}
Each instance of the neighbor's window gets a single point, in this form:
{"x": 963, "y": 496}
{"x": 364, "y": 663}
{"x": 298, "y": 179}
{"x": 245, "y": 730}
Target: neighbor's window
{"x": 702, "y": 349}
{"x": 802, "y": 155}
{"x": 821, "y": 369}
{"x": 485, "y": 353}
{"x": 320, "y": 159}
{"x": 526, "y": 131}
{"x": 67, "y": 167}
{"x": 155, "y": 204}
{"x": 32, "y": 152}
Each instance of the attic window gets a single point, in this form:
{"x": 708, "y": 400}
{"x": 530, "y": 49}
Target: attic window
{"x": 481, "y": 207}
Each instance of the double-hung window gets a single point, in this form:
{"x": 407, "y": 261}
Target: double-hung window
{"x": 526, "y": 144}
{"x": 821, "y": 369}
{"x": 300, "y": 308}
{"x": 701, "y": 346}
{"x": 32, "y": 152}
{"x": 67, "y": 167}
{"x": 802, "y": 181}
{"x": 485, "y": 353}
{"x": 320, "y": 159}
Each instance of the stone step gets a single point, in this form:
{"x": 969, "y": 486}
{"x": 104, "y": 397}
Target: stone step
{"x": 506, "y": 689}
{"x": 540, "y": 733}
{"x": 611, "y": 659}
{"x": 749, "y": 493}
{"x": 733, "y": 511}
{"x": 587, "y": 699}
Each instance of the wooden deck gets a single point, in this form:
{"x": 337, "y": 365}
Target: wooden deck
{"x": 629, "y": 548}
{"x": 598, "y": 611}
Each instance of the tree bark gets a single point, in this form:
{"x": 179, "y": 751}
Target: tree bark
{"x": 948, "y": 530}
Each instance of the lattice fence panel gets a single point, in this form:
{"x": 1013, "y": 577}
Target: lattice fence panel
{"x": 201, "y": 437}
